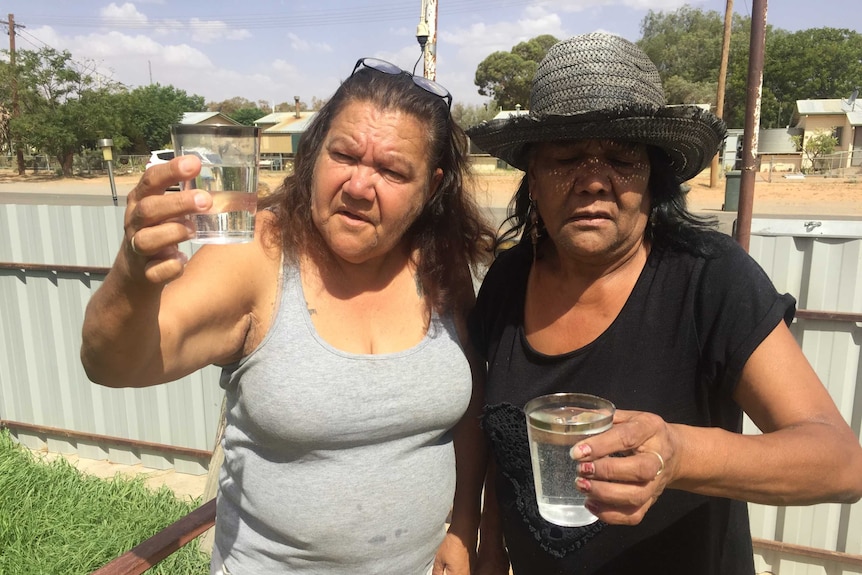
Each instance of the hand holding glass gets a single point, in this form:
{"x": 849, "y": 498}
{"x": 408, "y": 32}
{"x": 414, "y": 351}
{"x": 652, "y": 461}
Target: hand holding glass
{"x": 229, "y": 158}
{"x": 554, "y": 424}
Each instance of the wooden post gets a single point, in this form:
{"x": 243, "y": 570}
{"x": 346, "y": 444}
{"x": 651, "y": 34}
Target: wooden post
{"x": 722, "y": 79}
{"x": 211, "y": 486}
{"x": 16, "y": 110}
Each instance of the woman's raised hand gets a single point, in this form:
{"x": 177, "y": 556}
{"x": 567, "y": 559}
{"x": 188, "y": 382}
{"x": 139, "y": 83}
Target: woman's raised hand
{"x": 156, "y": 222}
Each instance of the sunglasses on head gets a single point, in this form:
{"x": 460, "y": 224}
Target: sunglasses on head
{"x": 385, "y": 67}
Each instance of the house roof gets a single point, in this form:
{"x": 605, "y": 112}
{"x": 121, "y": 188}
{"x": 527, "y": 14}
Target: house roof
{"x": 198, "y": 117}
{"x": 274, "y": 118}
{"x": 777, "y": 141}
{"x": 769, "y": 140}
{"x": 812, "y": 107}
{"x": 506, "y": 114}
{"x": 292, "y": 125}
{"x": 830, "y": 107}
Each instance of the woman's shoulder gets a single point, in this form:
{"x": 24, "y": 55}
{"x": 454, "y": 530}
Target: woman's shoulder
{"x": 720, "y": 267}
{"x": 708, "y": 245}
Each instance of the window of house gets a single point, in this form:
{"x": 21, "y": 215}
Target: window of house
{"x": 837, "y": 133}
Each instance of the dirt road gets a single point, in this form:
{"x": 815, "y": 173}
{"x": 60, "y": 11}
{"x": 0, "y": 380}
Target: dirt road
{"x": 782, "y": 196}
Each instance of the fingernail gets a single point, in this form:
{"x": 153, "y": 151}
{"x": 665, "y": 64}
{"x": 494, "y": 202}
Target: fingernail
{"x": 592, "y": 508}
{"x": 583, "y": 485}
{"x": 586, "y": 469}
{"x": 579, "y": 451}
{"x": 201, "y": 200}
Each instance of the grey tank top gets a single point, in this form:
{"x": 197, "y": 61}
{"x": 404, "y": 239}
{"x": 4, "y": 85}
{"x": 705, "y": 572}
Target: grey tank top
{"x": 338, "y": 463}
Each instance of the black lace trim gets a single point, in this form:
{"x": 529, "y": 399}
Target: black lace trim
{"x": 506, "y": 428}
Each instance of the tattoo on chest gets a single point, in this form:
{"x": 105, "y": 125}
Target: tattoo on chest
{"x": 311, "y": 310}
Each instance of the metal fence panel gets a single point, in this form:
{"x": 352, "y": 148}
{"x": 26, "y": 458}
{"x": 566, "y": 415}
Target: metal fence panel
{"x": 822, "y": 267}
{"x": 42, "y": 381}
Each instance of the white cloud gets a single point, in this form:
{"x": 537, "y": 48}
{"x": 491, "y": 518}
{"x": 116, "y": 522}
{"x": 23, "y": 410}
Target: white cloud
{"x": 208, "y": 31}
{"x": 482, "y": 39}
{"x": 298, "y": 44}
{"x": 591, "y": 5}
{"x": 284, "y": 67}
{"x": 127, "y": 13}
{"x": 474, "y": 42}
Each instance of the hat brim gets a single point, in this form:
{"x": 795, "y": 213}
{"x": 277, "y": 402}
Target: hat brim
{"x": 689, "y": 135}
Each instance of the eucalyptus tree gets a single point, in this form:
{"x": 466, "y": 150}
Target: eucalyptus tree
{"x": 63, "y": 109}
{"x": 506, "y": 76}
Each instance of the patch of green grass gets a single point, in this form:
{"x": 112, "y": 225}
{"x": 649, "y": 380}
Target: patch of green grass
{"x": 56, "y": 520}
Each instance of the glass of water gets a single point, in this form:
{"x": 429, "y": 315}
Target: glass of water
{"x": 555, "y": 423}
{"x": 229, "y": 158}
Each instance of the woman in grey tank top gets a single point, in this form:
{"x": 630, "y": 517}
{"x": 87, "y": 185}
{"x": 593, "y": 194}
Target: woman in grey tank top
{"x": 351, "y": 387}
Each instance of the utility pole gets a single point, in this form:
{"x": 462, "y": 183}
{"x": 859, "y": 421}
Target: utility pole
{"x": 16, "y": 110}
{"x": 429, "y": 17}
{"x": 722, "y": 78}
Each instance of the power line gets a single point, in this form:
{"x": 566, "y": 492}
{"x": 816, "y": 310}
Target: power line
{"x": 83, "y": 68}
{"x": 392, "y": 12}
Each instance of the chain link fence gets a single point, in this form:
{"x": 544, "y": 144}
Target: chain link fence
{"x": 90, "y": 163}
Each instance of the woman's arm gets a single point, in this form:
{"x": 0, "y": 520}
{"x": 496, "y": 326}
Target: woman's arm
{"x": 155, "y": 319}
{"x": 806, "y": 454}
{"x": 458, "y": 550}
{"x": 493, "y": 558}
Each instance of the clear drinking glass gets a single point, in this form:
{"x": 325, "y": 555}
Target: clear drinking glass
{"x": 555, "y": 423}
{"x": 230, "y": 157}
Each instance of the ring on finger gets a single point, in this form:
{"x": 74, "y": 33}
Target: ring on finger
{"x": 132, "y": 245}
{"x": 660, "y": 462}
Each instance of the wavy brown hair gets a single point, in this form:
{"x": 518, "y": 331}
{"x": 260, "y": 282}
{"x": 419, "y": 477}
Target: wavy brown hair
{"x": 450, "y": 235}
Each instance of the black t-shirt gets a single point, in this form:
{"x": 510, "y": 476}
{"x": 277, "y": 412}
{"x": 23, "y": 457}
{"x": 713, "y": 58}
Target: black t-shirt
{"x": 676, "y": 349}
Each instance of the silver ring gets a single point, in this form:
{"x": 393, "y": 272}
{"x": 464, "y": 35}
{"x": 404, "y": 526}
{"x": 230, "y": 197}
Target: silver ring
{"x": 132, "y": 245}
{"x": 660, "y": 461}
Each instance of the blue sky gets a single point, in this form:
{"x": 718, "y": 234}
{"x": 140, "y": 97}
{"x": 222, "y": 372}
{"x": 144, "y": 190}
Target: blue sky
{"x": 274, "y": 50}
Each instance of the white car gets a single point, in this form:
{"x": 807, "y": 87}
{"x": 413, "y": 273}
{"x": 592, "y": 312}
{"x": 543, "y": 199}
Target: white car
{"x": 162, "y": 157}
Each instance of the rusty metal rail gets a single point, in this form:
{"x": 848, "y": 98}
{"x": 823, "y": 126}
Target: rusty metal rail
{"x": 829, "y": 315}
{"x": 56, "y": 432}
{"x": 91, "y": 270}
{"x": 810, "y": 552}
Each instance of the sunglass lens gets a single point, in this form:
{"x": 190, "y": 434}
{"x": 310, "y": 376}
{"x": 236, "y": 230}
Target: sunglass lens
{"x": 381, "y": 66}
{"x": 430, "y": 86}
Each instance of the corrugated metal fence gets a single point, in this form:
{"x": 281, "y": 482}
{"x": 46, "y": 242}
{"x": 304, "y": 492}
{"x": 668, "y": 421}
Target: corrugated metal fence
{"x": 819, "y": 261}
{"x": 42, "y": 384}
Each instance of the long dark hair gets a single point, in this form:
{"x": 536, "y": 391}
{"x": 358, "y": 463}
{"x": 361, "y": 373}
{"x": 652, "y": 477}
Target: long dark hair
{"x": 450, "y": 235}
{"x": 671, "y": 224}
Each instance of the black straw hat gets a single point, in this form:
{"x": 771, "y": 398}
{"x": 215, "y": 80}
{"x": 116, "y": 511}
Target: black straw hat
{"x": 601, "y": 86}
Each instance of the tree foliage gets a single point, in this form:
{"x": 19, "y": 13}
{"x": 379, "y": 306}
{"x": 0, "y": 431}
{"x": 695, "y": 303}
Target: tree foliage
{"x": 61, "y": 111}
{"x": 64, "y": 111}
{"x": 506, "y": 76}
{"x": 819, "y": 144}
{"x": 231, "y": 106}
{"x": 247, "y": 116}
{"x": 686, "y": 45}
{"x": 151, "y": 111}
{"x": 818, "y": 63}
{"x": 469, "y": 115}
